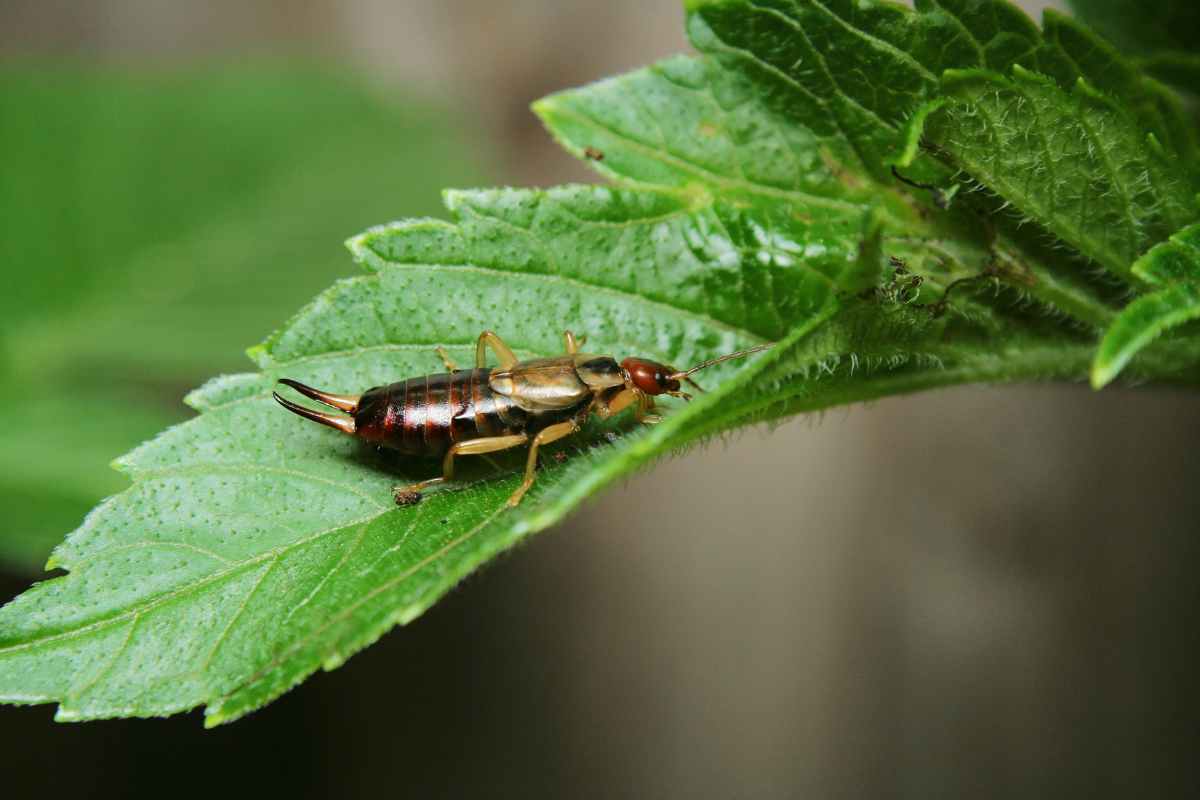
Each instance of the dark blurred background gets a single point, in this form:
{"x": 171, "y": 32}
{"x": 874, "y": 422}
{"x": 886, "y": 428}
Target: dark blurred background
{"x": 980, "y": 592}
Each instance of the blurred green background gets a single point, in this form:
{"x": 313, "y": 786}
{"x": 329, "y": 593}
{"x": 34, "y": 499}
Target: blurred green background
{"x": 985, "y": 592}
{"x": 158, "y": 222}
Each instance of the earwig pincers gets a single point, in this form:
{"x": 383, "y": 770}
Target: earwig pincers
{"x": 482, "y": 410}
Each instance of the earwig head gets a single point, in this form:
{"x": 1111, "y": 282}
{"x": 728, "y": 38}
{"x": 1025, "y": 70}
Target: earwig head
{"x": 651, "y": 377}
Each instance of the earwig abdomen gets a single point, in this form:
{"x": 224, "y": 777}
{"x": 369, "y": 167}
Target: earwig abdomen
{"x": 426, "y": 415}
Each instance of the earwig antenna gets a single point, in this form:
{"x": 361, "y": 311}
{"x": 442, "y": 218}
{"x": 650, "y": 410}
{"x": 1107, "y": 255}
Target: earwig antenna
{"x": 677, "y": 376}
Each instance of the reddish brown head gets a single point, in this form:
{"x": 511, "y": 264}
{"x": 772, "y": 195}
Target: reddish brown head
{"x": 650, "y": 376}
{"x": 653, "y": 378}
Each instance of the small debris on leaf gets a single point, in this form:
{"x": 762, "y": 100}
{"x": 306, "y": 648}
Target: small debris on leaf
{"x": 405, "y": 498}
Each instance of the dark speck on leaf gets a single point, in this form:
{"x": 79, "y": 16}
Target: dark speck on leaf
{"x": 404, "y": 498}
{"x": 593, "y": 154}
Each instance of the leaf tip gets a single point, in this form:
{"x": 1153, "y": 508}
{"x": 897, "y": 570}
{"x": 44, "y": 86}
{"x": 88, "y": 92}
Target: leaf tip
{"x": 193, "y": 400}
{"x": 544, "y": 107}
{"x": 64, "y": 714}
{"x": 259, "y": 354}
{"x": 1103, "y": 372}
{"x": 455, "y": 199}
{"x": 357, "y": 245}
{"x": 914, "y": 129}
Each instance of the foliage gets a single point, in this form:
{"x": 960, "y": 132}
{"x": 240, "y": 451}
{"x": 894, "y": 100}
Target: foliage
{"x": 1163, "y": 36}
{"x": 900, "y": 199}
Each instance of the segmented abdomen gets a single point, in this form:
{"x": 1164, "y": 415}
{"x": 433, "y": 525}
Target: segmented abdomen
{"x": 424, "y": 416}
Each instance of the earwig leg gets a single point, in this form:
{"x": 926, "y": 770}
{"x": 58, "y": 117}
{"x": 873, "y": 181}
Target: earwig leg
{"x": 571, "y": 343}
{"x": 641, "y": 412}
{"x": 474, "y": 447}
{"x": 503, "y": 353}
{"x": 449, "y": 362}
{"x": 547, "y": 435}
{"x": 623, "y": 399}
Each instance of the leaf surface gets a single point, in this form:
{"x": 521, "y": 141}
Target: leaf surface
{"x": 1075, "y": 162}
{"x": 255, "y": 547}
{"x": 1173, "y": 265}
{"x": 753, "y": 201}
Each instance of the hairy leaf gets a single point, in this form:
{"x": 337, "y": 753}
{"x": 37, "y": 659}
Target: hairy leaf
{"x": 1174, "y": 265}
{"x": 1140, "y": 323}
{"x": 811, "y": 60}
{"x": 1073, "y": 161}
{"x": 755, "y": 202}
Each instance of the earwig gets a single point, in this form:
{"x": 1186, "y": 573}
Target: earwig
{"x": 486, "y": 409}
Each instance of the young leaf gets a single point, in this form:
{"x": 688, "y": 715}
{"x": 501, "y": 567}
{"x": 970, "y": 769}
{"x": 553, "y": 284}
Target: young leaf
{"x": 1173, "y": 264}
{"x": 1075, "y": 162}
{"x": 1140, "y": 323}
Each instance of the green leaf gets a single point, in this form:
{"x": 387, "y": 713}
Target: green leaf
{"x": 869, "y": 66}
{"x": 1073, "y": 52}
{"x": 754, "y": 202}
{"x": 1140, "y": 323}
{"x": 1180, "y": 69}
{"x": 1164, "y": 35}
{"x": 1173, "y": 264}
{"x": 254, "y": 547}
{"x": 826, "y": 59}
{"x": 1177, "y": 259}
{"x": 1075, "y": 162}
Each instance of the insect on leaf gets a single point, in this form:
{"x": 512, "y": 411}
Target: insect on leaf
{"x": 254, "y": 547}
{"x": 754, "y": 202}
